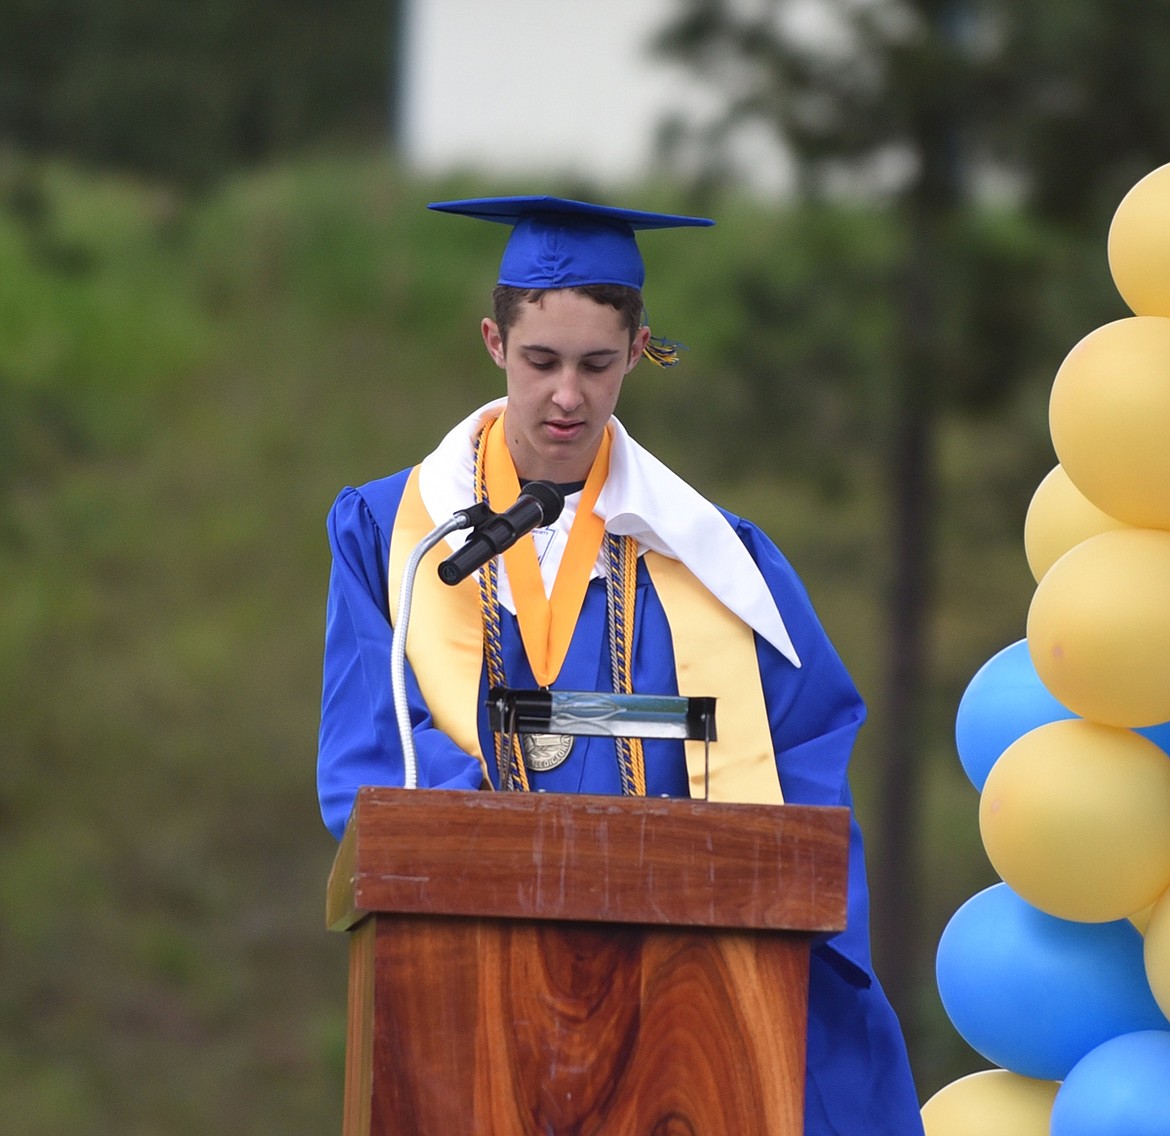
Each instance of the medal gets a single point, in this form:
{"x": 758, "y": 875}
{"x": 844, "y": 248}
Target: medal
{"x": 543, "y": 752}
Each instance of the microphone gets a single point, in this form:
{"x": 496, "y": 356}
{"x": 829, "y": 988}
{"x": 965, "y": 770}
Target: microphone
{"x": 540, "y": 503}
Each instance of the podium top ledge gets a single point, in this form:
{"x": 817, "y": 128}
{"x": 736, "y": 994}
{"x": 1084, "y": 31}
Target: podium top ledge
{"x": 569, "y": 857}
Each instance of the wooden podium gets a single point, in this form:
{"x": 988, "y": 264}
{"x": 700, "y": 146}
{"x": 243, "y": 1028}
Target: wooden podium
{"x": 557, "y": 965}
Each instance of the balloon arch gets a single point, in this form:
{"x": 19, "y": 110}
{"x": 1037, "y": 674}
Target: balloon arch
{"x": 1059, "y": 976}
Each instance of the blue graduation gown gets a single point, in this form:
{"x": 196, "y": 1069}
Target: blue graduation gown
{"x": 858, "y": 1080}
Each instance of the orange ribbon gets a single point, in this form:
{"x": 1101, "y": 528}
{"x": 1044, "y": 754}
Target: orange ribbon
{"x": 547, "y": 622}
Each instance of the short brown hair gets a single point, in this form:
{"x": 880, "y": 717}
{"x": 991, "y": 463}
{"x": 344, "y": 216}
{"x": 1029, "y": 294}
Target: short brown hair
{"x": 506, "y": 301}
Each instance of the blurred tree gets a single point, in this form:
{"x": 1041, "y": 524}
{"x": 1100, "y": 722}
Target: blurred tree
{"x": 1075, "y": 100}
{"x": 186, "y": 89}
{"x": 925, "y": 103}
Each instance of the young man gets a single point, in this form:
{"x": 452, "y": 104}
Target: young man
{"x": 692, "y": 599}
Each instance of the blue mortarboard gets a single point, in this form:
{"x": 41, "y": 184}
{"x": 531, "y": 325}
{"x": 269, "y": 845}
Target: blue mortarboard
{"x": 559, "y": 243}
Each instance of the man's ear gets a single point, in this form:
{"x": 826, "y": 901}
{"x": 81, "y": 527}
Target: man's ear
{"x": 493, "y": 341}
{"x": 641, "y": 338}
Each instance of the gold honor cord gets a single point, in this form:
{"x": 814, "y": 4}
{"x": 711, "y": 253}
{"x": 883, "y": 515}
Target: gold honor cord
{"x": 621, "y": 558}
{"x": 509, "y": 761}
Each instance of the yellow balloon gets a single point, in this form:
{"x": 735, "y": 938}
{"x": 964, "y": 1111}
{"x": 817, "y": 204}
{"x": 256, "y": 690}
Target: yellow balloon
{"x": 1141, "y": 919}
{"x": 1139, "y": 245}
{"x": 1158, "y": 953}
{"x": 1099, "y": 628}
{"x": 992, "y": 1103}
{"x": 1059, "y": 517}
{"x": 1075, "y": 817}
{"x": 1109, "y": 415}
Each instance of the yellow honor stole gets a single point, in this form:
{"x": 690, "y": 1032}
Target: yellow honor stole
{"x": 714, "y": 652}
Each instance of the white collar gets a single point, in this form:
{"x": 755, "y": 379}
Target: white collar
{"x": 641, "y": 498}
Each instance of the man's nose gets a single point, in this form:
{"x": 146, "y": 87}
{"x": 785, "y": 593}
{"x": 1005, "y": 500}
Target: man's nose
{"x": 567, "y": 395}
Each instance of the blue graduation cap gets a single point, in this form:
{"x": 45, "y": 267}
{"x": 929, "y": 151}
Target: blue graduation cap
{"x": 560, "y": 243}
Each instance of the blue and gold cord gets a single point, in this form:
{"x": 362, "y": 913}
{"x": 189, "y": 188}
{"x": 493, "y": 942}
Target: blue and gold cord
{"x": 509, "y": 761}
{"x": 621, "y": 564}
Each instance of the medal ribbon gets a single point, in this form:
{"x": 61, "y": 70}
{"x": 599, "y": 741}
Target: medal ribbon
{"x": 546, "y": 622}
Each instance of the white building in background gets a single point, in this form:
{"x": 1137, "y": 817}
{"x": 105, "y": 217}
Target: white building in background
{"x": 546, "y": 86}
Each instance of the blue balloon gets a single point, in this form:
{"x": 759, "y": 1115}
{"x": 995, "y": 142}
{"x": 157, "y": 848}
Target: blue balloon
{"x": 1159, "y": 735}
{"x": 1032, "y": 993}
{"x": 1121, "y": 1088}
{"x": 1004, "y": 701}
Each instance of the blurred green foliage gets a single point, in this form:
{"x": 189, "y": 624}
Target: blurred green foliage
{"x": 186, "y": 386}
{"x": 187, "y": 90}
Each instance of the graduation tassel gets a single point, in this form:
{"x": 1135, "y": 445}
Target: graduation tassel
{"x": 663, "y": 352}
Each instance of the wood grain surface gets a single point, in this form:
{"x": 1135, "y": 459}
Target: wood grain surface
{"x": 610, "y": 859}
{"x": 506, "y": 1029}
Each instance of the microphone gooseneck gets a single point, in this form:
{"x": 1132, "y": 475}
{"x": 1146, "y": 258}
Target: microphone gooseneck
{"x": 464, "y": 519}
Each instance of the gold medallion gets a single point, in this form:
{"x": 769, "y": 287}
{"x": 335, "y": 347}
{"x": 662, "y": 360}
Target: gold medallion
{"x": 543, "y": 752}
